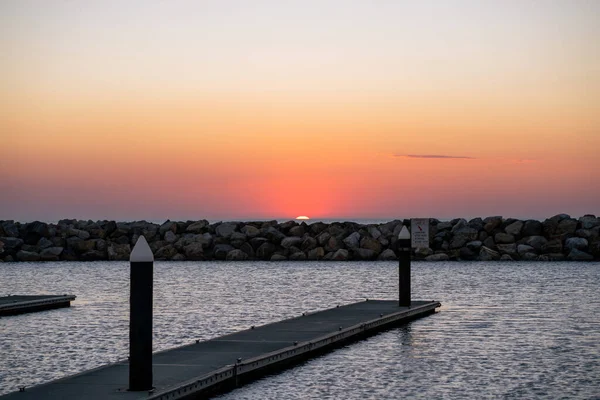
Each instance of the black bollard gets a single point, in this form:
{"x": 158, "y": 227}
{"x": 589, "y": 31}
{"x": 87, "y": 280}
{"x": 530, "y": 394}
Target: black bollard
{"x": 404, "y": 247}
{"x": 140, "y": 318}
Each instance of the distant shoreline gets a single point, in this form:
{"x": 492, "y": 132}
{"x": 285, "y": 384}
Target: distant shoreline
{"x": 557, "y": 238}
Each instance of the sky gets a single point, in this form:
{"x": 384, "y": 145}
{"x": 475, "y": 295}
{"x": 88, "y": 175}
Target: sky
{"x": 230, "y": 110}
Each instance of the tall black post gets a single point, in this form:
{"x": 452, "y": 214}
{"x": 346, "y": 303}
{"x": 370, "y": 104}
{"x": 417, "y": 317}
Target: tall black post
{"x": 140, "y": 318}
{"x": 404, "y": 247}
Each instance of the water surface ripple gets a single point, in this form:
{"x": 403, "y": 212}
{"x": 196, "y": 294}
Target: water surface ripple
{"x": 506, "y": 330}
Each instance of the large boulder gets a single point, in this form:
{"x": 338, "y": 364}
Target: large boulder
{"x": 503, "y": 238}
{"x": 340, "y": 255}
{"x": 374, "y": 232}
{"x": 487, "y": 254}
{"x": 165, "y": 227}
{"x": 197, "y": 227}
{"x": 118, "y": 252}
{"x": 297, "y": 256}
{"x": 236, "y": 255}
{"x": 166, "y": 252}
{"x": 438, "y": 257}
{"x": 220, "y": 251}
{"x": 51, "y": 253}
{"x": 589, "y": 221}
{"x": 170, "y": 237}
{"x": 474, "y": 246}
{"x": 274, "y": 235}
{"x": 265, "y": 251}
{"x": 297, "y": 231}
{"x": 248, "y": 249}
{"x": 27, "y": 256}
{"x": 567, "y": 226}
{"x": 194, "y": 251}
{"x": 532, "y": 228}
{"x": 576, "y": 243}
{"x": 510, "y": 249}
{"x": 93, "y": 255}
{"x": 225, "y": 229}
{"x": 423, "y": 252}
{"x": 524, "y": 248}
{"x": 323, "y": 238}
{"x": 317, "y": 227}
{"x": 578, "y": 255}
{"x": 467, "y": 254}
{"x": 10, "y": 229}
{"x": 250, "y": 231}
{"x": 316, "y": 253}
{"x": 536, "y": 242}
{"x": 288, "y": 242}
{"x": 257, "y": 242}
{"x": 371, "y": 244}
{"x": 278, "y": 257}
{"x": 11, "y": 244}
{"x": 552, "y": 246}
{"x": 387, "y": 255}
{"x": 237, "y": 239}
{"x": 352, "y": 241}
{"x": 363, "y": 254}
{"x": 309, "y": 243}
{"x": 514, "y": 229}
{"x": 334, "y": 244}
{"x": 492, "y": 223}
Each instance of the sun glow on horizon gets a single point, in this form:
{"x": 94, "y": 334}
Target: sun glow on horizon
{"x": 303, "y": 217}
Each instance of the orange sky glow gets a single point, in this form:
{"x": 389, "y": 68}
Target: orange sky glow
{"x": 231, "y": 110}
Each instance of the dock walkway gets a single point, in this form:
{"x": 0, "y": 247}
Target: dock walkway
{"x": 204, "y": 368}
{"x": 12, "y": 305}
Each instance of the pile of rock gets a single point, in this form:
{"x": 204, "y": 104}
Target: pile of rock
{"x": 493, "y": 238}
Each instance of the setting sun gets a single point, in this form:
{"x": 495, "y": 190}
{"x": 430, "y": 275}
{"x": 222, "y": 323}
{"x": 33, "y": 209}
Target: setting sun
{"x": 303, "y": 217}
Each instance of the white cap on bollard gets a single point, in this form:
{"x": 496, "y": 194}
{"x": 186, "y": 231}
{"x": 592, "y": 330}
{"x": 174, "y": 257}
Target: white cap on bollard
{"x": 141, "y": 251}
{"x": 404, "y": 233}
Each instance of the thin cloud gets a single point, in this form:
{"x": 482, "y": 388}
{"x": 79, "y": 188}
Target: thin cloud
{"x": 435, "y": 156}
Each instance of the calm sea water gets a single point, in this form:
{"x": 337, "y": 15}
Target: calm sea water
{"x": 506, "y": 330}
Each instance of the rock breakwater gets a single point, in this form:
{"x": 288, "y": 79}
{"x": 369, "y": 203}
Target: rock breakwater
{"x": 558, "y": 238}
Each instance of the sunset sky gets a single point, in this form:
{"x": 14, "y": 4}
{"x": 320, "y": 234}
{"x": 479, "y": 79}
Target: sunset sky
{"x": 267, "y": 109}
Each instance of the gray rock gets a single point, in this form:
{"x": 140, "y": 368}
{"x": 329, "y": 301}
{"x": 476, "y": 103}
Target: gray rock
{"x": 323, "y": 238}
{"x": 442, "y": 226}
{"x": 438, "y": 257}
{"x": 11, "y": 244}
{"x": 536, "y": 242}
{"x": 340, "y": 255}
{"x": 524, "y": 248}
{"x": 492, "y": 223}
{"x": 166, "y": 252}
{"x": 27, "y": 256}
{"x": 316, "y": 253}
{"x": 514, "y": 229}
{"x": 225, "y": 229}
{"x": 556, "y": 256}
{"x": 576, "y": 243}
{"x": 166, "y": 227}
{"x": 487, "y": 254}
{"x": 585, "y": 233}
{"x": 364, "y": 254}
{"x": 80, "y": 233}
{"x": 333, "y": 244}
{"x": 118, "y": 252}
{"x": 589, "y": 221}
{"x": 297, "y": 231}
{"x": 273, "y": 235}
{"x": 309, "y": 243}
{"x": 353, "y": 240}
{"x": 93, "y": 255}
{"x": 460, "y": 223}
{"x": 387, "y": 255}
{"x": 288, "y": 242}
{"x": 374, "y": 232}
{"x": 462, "y": 236}
{"x": 317, "y": 227}
{"x": 423, "y": 252}
{"x": 250, "y": 231}
{"x": 506, "y": 257}
{"x": 44, "y": 243}
{"x": 552, "y": 246}
{"x": 278, "y": 257}
{"x": 194, "y": 251}
{"x": 248, "y": 249}
{"x": 236, "y": 255}
{"x": 221, "y": 250}
{"x": 567, "y": 226}
{"x": 504, "y": 238}
{"x": 370, "y": 243}
{"x": 474, "y": 246}
{"x": 578, "y": 255}
{"x": 178, "y": 257}
{"x": 510, "y": 249}
{"x": 298, "y": 256}
{"x": 265, "y": 251}
{"x": 197, "y": 227}
{"x": 51, "y": 253}
{"x": 476, "y": 223}
{"x": 532, "y": 228}
{"x": 170, "y": 237}
{"x": 237, "y": 239}
{"x": 529, "y": 257}
{"x": 467, "y": 254}
{"x": 10, "y": 229}
{"x": 489, "y": 243}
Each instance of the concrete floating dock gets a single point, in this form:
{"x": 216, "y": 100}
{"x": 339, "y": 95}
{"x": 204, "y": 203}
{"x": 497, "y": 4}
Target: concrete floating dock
{"x": 12, "y": 305}
{"x": 202, "y": 369}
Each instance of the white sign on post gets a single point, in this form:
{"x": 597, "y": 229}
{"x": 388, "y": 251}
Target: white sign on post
{"x": 419, "y": 232}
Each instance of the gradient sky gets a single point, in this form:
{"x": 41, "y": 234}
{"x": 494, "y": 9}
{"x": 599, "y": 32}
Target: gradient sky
{"x": 272, "y": 109}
